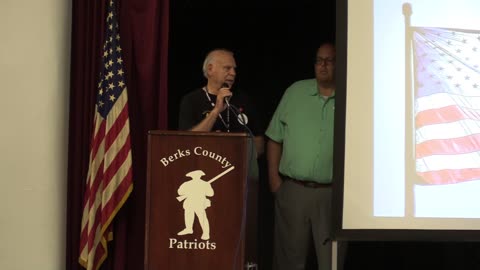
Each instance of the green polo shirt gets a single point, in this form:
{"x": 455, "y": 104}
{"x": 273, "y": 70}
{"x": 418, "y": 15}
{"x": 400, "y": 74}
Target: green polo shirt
{"x": 303, "y": 123}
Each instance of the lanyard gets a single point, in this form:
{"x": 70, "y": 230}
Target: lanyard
{"x": 226, "y": 124}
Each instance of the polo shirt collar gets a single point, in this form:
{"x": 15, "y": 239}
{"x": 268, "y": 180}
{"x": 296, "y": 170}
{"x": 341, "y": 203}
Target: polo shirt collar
{"x": 313, "y": 91}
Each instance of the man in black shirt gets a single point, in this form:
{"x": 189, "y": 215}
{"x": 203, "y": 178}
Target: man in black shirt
{"x": 205, "y": 109}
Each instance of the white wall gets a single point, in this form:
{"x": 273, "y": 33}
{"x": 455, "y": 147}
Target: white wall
{"x": 34, "y": 86}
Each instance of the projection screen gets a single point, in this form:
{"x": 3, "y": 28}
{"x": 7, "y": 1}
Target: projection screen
{"x": 408, "y": 119}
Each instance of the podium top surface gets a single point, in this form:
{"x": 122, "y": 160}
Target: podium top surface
{"x": 197, "y": 133}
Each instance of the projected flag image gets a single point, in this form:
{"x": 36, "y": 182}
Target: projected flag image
{"x": 446, "y": 104}
{"x": 413, "y": 94}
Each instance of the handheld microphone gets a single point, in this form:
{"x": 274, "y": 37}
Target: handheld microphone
{"x": 225, "y": 85}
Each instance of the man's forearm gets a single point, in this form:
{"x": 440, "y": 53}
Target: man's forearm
{"x": 274, "y": 154}
{"x": 207, "y": 123}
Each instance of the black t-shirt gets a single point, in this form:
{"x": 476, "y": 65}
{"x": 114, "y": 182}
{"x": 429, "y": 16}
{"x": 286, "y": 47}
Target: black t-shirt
{"x": 195, "y": 106}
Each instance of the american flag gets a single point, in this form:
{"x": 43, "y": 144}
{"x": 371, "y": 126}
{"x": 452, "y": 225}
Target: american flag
{"x": 447, "y": 104}
{"x": 109, "y": 179}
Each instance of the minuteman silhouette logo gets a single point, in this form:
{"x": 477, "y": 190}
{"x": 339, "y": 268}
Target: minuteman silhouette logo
{"x": 194, "y": 193}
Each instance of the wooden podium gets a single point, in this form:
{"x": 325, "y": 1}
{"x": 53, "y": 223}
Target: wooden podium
{"x": 204, "y": 177}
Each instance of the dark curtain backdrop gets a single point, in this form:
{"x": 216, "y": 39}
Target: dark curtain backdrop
{"x": 144, "y": 26}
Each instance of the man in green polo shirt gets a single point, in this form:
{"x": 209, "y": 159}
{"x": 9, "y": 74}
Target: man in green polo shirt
{"x": 300, "y": 163}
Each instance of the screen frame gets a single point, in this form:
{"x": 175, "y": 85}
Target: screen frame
{"x": 339, "y": 233}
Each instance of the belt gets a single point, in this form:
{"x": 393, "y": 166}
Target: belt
{"x": 308, "y": 184}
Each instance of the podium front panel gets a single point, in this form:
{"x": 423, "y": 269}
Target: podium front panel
{"x": 196, "y": 199}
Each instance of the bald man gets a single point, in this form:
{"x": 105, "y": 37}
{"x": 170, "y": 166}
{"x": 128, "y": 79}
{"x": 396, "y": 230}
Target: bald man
{"x": 205, "y": 109}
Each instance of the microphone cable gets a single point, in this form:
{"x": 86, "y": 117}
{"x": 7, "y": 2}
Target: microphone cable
{"x": 251, "y": 157}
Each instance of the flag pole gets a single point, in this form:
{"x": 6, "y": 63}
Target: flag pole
{"x": 409, "y": 114}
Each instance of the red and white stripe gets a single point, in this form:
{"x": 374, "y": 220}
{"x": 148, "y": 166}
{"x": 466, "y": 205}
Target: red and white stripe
{"x": 109, "y": 181}
{"x": 448, "y": 138}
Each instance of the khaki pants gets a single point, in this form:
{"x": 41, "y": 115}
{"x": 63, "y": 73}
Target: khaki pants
{"x": 302, "y": 215}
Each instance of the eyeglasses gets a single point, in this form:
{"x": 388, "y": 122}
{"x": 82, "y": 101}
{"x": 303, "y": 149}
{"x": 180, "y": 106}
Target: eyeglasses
{"x": 327, "y": 61}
